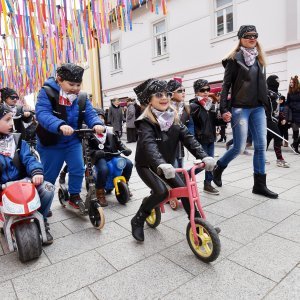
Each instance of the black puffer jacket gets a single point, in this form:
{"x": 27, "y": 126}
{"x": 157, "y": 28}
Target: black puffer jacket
{"x": 185, "y": 120}
{"x": 273, "y": 113}
{"x": 293, "y": 103}
{"x": 155, "y": 147}
{"x": 237, "y": 77}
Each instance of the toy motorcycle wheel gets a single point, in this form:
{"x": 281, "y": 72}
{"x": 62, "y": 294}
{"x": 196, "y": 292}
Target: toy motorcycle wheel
{"x": 123, "y": 196}
{"x": 63, "y": 196}
{"x": 96, "y": 215}
{"x": 154, "y": 218}
{"x": 174, "y": 203}
{"x": 29, "y": 244}
{"x": 209, "y": 246}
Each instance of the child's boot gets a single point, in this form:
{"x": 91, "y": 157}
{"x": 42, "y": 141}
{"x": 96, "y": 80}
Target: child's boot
{"x": 100, "y": 194}
{"x": 76, "y": 201}
{"x": 137, "y": 224}
{"x": 48, "y": 235}
{"x": 217, "y": 173}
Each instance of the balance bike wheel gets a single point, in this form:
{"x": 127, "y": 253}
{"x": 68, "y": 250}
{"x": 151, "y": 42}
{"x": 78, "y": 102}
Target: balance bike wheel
{"x": 96, "y": 215}
{"x": 123, "y": 196}
{"x": 154, "y": 218}
{"x": 63, "y": 196}
{"x": 174, "y": 203}
{"x": 209, "y": 246}
{"x": 29, "y": 243}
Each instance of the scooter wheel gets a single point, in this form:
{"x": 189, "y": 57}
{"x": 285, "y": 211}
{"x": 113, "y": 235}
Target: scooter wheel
{"x": 174, "y": 203}
{"x": 123, "y": 196}
{"x": 63, "y": 196}
{"x": 29, "y": 244}
{"x": 96, "y": 215}
{"x": 154, "y": 218}
{"x": 209, "y": 246}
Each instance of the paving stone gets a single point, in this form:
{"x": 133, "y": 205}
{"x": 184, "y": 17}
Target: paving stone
{"x": 58, "y": 230}
{"x": 84, "y": 241}
{"x": 226, "y": 191}
{"x": 11, "y": 266}
{"x": 288, "y": 288}
{"x": 231, "y": 206}
{"x": 269, "y": 255}
{"x": 288, "y": 228}
{"x": 182, "y": 255}
{"x": 292, "y": 194}
{"x": 129, "y": 209}
{"x": 148, "y": 279}
{"x": 244, "y": 228}
{"x": 7, "y": 291}
{"x": 248, "y": 194}
{"x": 80, "y": 223}
{"x": 1, "y": 250}
{"x": 131, "y": 251}
{"x": 84, "y": 293}
{"x": 225, "y": 280}
{"x": 63, "y": 278}
{"x": 274, "y": 210}
{"x": 283, "y": 182}
{"x": 61, "y": 214}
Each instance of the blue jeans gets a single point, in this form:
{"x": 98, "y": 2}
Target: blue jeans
{"x": 210, "y": 150}
{"x": 53, "y": 159}
{"x": 255, "y": 120}
{"x": 102, "y": 172}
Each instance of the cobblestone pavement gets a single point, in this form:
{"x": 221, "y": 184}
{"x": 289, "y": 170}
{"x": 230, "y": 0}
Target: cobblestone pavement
{"x": 260, "y": 256}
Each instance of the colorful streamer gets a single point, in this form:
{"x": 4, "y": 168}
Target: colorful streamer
{"x": 36, "y": 36}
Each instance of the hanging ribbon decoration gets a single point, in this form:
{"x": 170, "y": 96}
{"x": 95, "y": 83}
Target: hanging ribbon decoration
{"x": 36, "y": 36}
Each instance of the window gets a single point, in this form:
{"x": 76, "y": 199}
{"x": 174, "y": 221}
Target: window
{"x": 116, "y": 56}
{"x": 224, "y": 16}
{"x": 160, "y": 39}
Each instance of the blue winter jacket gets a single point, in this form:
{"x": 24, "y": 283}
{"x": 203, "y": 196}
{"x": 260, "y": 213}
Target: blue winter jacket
{"x": 45, "y": 116}
{"x": 9, "y": 171}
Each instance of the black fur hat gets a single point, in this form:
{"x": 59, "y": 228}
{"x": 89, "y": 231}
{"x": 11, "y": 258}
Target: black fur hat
{"x": 173, "y": 85}
{"x": 145, "y": 90}
{"x": 3, "y": 110}
{"x": 244, "y": 29}
{"x": 199, "y": 84}
{"x": 70, "y": 72}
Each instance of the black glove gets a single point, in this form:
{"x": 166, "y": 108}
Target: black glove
{"x": 99, "y": 154}
{"x": 127, "y": 152}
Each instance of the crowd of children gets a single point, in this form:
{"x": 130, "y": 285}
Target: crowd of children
{"x": 167, "y": 122}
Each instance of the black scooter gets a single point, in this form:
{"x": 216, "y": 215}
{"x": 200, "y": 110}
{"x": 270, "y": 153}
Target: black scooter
{"x": 91, "y": 205}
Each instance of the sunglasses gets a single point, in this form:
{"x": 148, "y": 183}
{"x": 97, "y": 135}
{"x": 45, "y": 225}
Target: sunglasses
{"x": 163, "y": 94}
{"x": 14, "y": 97}
{"x": 250, "y": 36}
{"x": 180, "y": 91}
{"x": 203, "y": 90}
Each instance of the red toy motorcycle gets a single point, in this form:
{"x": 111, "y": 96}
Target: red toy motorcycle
{"x": 22, "y": 224}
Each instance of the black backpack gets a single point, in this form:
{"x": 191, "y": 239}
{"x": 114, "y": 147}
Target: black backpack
{"x": 48, "y": 138}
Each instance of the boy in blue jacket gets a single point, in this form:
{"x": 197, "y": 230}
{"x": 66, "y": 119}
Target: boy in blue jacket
{"x": 60, "y": 109}
{"x": 17, "y": 162}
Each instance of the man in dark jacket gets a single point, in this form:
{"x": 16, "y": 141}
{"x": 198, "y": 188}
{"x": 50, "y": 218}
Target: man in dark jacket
{"x": 115, "y": 117}
{"x": 203, "y": 113}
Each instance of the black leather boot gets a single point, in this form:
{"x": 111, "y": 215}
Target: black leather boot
{"x": 137, "y": 224}
{"x": 217, "y": 174}
{"x": 260, "y": 186}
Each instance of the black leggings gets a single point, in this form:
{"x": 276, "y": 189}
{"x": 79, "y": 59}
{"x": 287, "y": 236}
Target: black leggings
{"x": 159, "y": 190}
{"x": 277, "y": 140}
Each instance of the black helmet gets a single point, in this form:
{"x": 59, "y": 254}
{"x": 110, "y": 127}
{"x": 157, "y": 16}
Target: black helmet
{"x": 70, "y": 72}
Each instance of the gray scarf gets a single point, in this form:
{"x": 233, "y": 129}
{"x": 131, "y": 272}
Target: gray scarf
{"x": 179, "y": 107}
{"x": 165, "y": 119}
{"x": 249, "y": 55}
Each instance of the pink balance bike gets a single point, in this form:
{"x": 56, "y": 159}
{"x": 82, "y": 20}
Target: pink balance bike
{"x": 22, "y": 224}
{"x": 202, "y": 237}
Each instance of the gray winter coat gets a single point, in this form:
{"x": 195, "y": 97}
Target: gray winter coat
{"x": 130, "y": 116}
{"x": 115, "y": 117}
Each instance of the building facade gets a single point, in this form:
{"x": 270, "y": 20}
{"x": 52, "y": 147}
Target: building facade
{"x": 191, "y": 40}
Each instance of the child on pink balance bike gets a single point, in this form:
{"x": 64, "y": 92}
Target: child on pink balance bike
{"x": 159, "y": 131}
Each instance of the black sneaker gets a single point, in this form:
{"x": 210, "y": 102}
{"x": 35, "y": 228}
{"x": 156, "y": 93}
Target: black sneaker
{"x": 49, "y": 214}
{"x": 208, "y": 188}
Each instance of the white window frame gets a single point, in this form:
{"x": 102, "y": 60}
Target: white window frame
{"x": 164, "y": 34}
{"x": 119, "y": 59}
{"x": 223, "y": 8}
